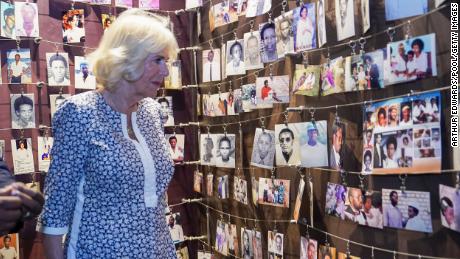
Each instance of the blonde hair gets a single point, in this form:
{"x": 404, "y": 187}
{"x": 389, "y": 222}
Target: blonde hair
{"x": 127, "y": 43}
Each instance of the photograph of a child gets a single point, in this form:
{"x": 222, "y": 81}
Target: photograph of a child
{"x": 225, "y": 152}
{"x": 22, "y": 111}
{"x": 333, "y": 76}
{"x": 208, "y": 142}
{"x": 274, "y": 192}
{"x": 412, "y": 59}
{"x": 240, "y": 190}
{"x": 44, "y": 153}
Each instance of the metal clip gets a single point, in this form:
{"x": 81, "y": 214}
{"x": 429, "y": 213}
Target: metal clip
{"x": 235, "y": 34}
{"x": 403, "y": 178}
{"x": 251, "y": 24}
{"x": 361, "y": 182}
{"x": 210, "y": 45}
{"x": 305, "y": 59}
{"x": 352, "y": 45}
{"x": 391, "y": 33}
{"x": 225, "y": 129}
{"x": 286, "y": 117}
{"x": 343, "y": 176}
{"x": 262, "y": 123}
{"x": 271, "y": 71}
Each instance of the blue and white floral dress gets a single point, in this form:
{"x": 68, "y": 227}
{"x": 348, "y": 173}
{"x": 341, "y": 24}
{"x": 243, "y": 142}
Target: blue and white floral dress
{"x": 105, "y": 190}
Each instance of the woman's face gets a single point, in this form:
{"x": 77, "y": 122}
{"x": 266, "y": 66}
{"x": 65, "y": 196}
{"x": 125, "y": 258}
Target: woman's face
{"x": 304, "y": 13}
{"x": 382, "y": 119}
{"x": 394, "y": 114}
{"x": 155, "y": 70}
{"x": 59, "y": 70}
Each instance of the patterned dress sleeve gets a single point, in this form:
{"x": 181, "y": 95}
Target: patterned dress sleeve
{"x": 66, "y": 169}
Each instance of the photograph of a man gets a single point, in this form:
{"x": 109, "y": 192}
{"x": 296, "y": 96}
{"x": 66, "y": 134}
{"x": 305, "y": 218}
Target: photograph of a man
{"x": 19, "y": 66}
{"x": 211, "y": 65}
{"x": 287, "y": 145}
{"x": 263, "y": 151}
{"x": 345, "y": 17}
{"x": 22, "y": 111}
{"x": 58, "y": 69}
{"x": 8, "y": 250}
{"x": 175, "y": 228}
{"x": 176, "y": 146}
{"x": 26, "y": 16}
{"x": 392, "y": 215}
{"x": 353, "y": 210}
{"x": 338, "y": 137}
{"x": 84, "y": 78}
{"x": 313, "y": 152}
{"x": 284, "y": 35}
{"x": 207, "y": 144}
{"x": 166, "y": 111}
{"x": 252, "y": 58}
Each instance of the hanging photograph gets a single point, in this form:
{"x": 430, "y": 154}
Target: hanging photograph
{"x": 222, "y": 187}
{"x": 7, "y": 21}
{"x": 263, "y": 151}
{"x": 247, "y": 248}
{"x": 234, "y": 102}
{"x": 166, "y": 110}
{"x": 235, "y": 58}
{"x": 182, "y": 253}
{"x": 9, "y": 246}
{"x": 101, "y": 2}
{"x": 365, "y": 15}
{"x": 298, "y": 199}
{"x": 211, "y": 65}
{"x": 450, "y": 207}
{"x": 338, "y": 149}
{"x": 73, "y": 26}
{"x": 219, "y": 15}
{"x": 124, "y": 3}
{"x": 26, "y": 18}
{"x": 84, "y": 78}
{"x": 345, "y": 256}
{"x": 304, "y": 27}
{"x": 274, "y": 192}
{"x": 240, "y": 190}
{"x": 19, "y": 66}
{"x": 409, "y": 210}
{"x": 326, "y": 252}
{"x": 406, "y": 135}
{"x": 23, "y": 159}
{"x": 284, "y": 35}
{"x": 248, "y": 97}
{"x": 412, "y": 59}
{"x": 237, "y": 8}
{"x": 190, "y": 4}
{"x": 44, "y": 153}
{"x": 355, "y": 74}
{"x": 218, "y": 104}
{"x": 374, "y": 69}
{"x": 208, "y": 142}
{"x": 345, "y": 19}
{"x": 2, "y": 150}
{"x": 399, "y": 9}
{"x": 107, "y": 20}
{"x": 252, "y": 58}
{"x": 354, "y": 206}
{"x": 313, "y": 143}
{"x": 55, "y": 102}
{"x": 275, "y": 245}
{"x": 335, "y": 200}
{"x": 149, "y": 4}
{"x": 223, "y": 60}
{"x": 204, "y": 255}
{"x": 308, "y": 248}
{"x": 58, "y": 69}
{"x": 372, "y": 208}
{"x": 333, "y": 76}
{"x": 268, "y": 38}
{"x": 287, "y": 145}
{"x": 197, "y": 181}
{"x": 174, "y": 79}
{"x": 321, "y": 18}
{"x": 175, "y": 227}
{"x": 209, "y": 184}
{"x": 176, "y": 146}
{"x": 225, "y": 152}
{"x": 254, "y": 190}
{"x": 306, "y": 80}
{"x": 257, "y": 242}
{"x": 270, "y": 90}
{"x": 232, "y": 238}
{"x": 22, "y": 111}
{"x": 221, "y": 244}
{"x": 258, "y": 7}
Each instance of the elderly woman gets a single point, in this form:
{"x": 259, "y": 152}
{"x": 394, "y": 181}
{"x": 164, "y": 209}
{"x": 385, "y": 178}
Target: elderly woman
{"x": 107, "y": 182}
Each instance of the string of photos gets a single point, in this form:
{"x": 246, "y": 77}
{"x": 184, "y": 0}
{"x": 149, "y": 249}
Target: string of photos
{"x": 398, "y": 135}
